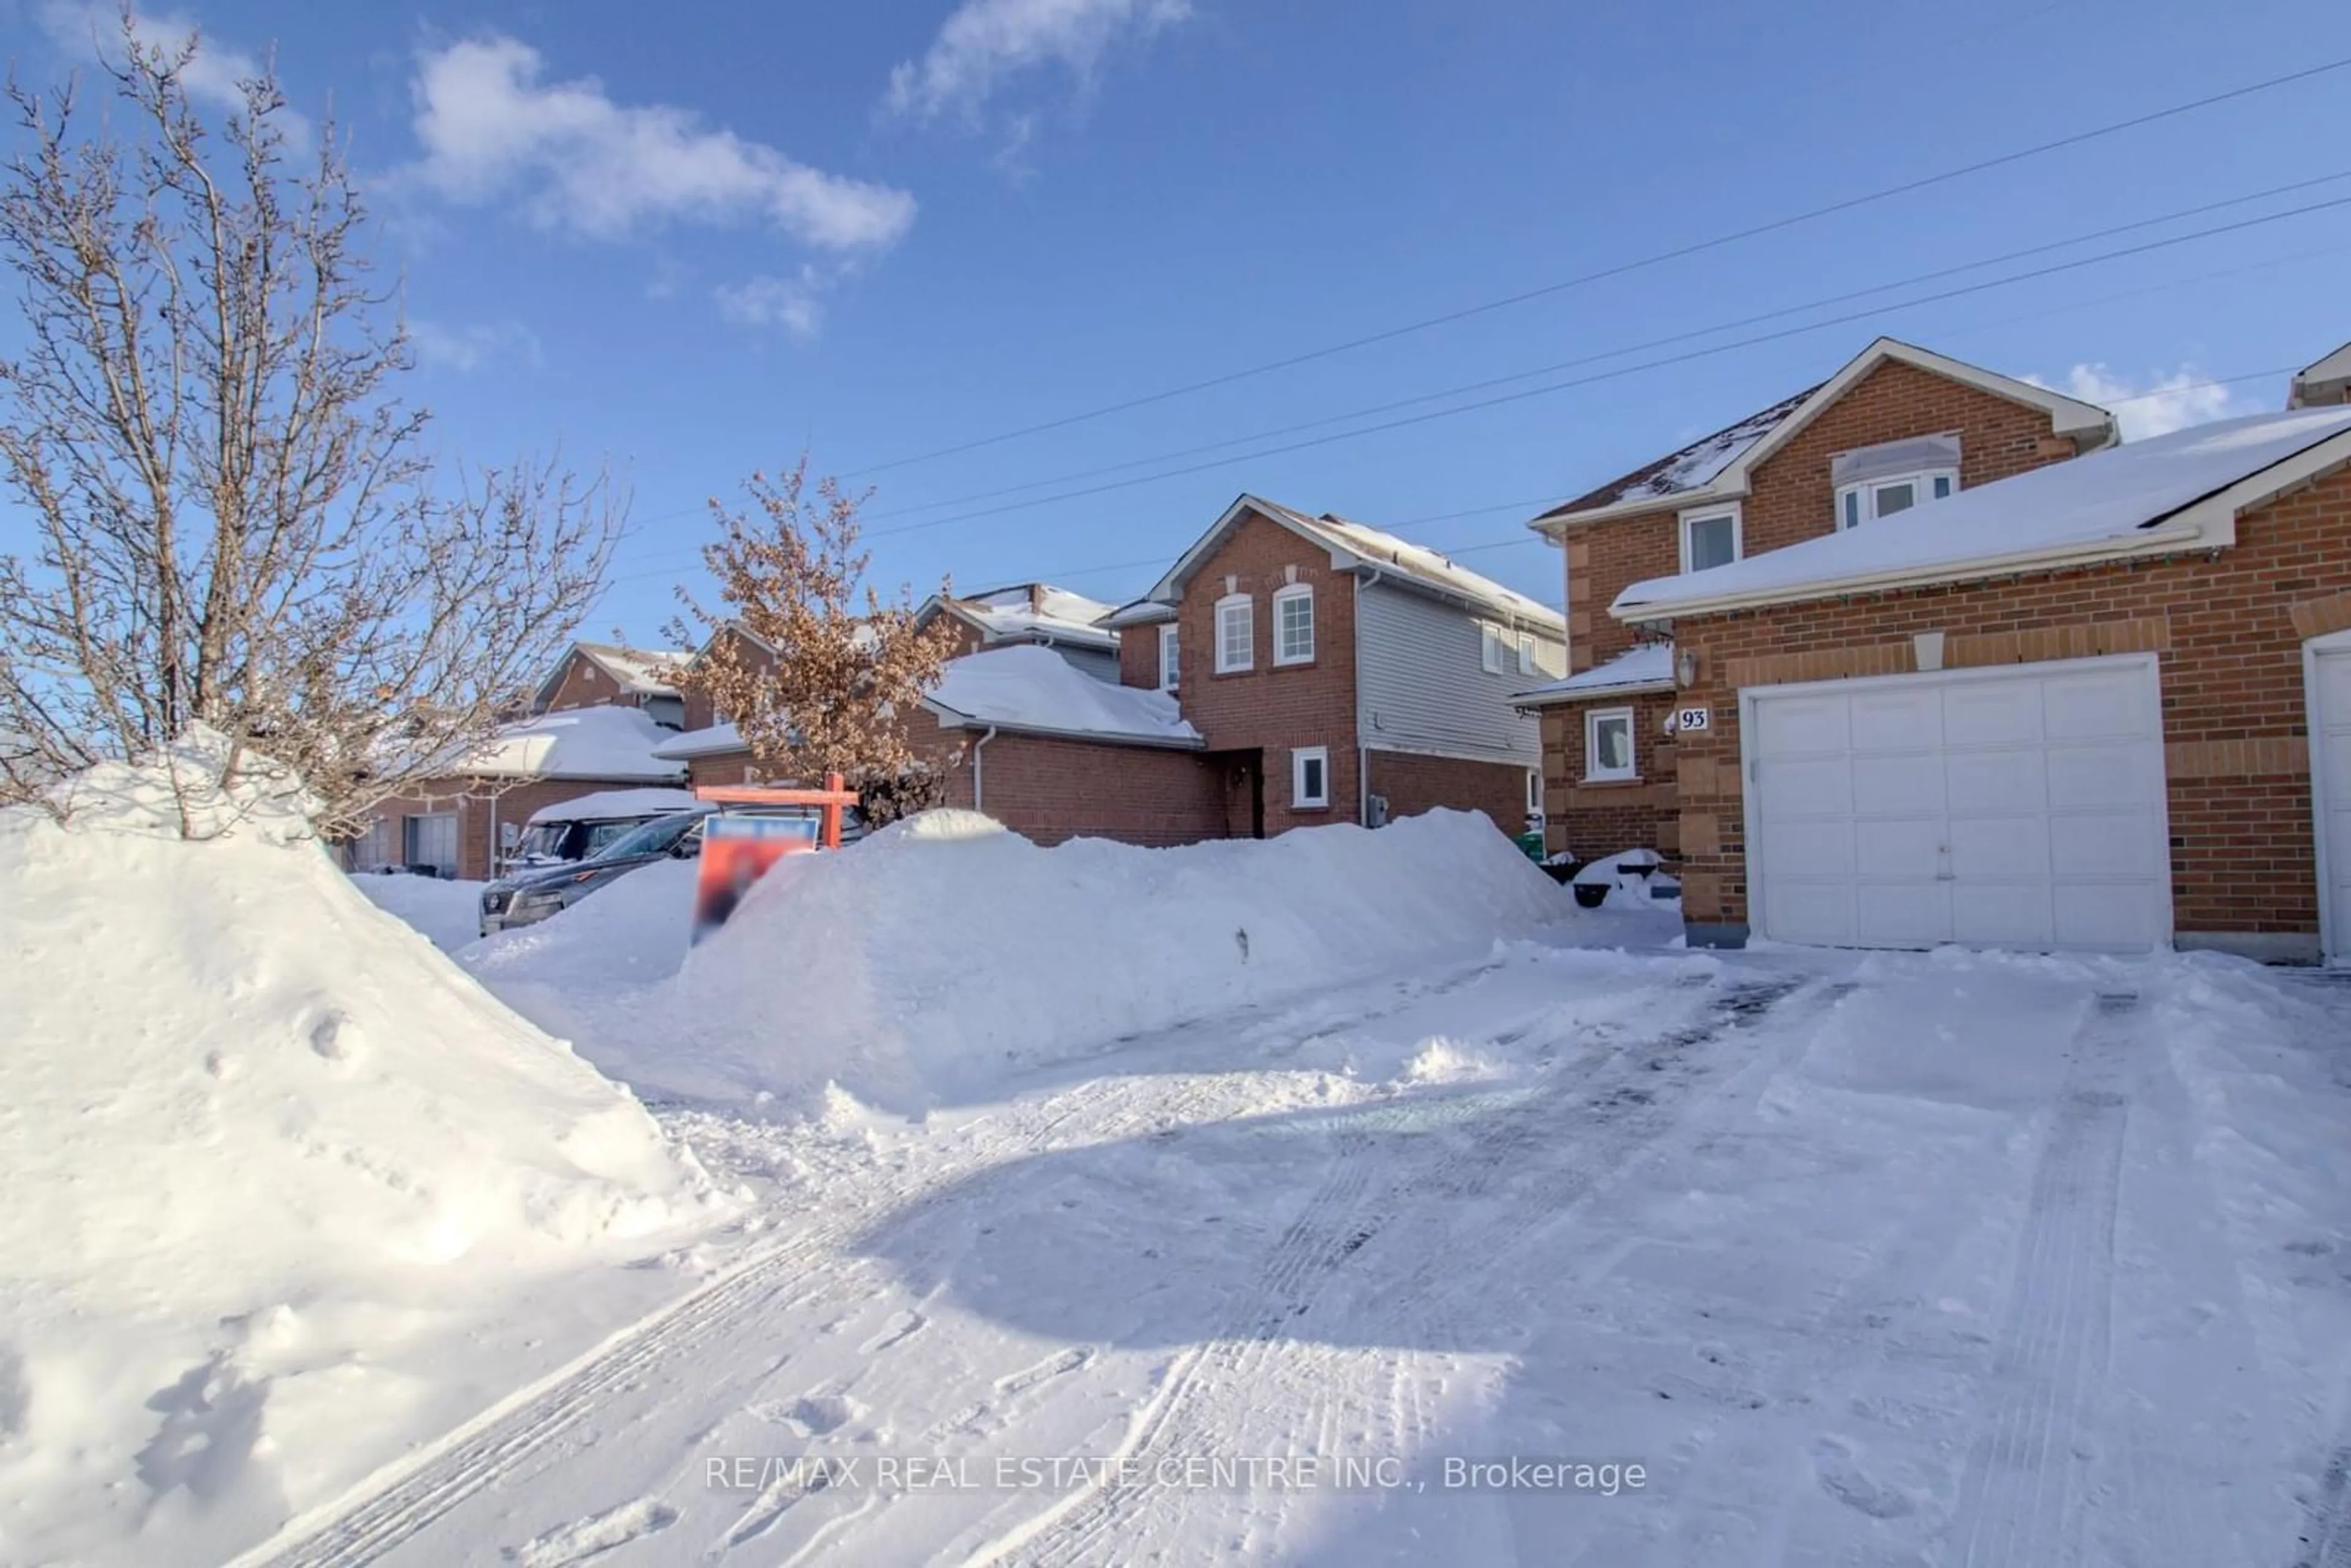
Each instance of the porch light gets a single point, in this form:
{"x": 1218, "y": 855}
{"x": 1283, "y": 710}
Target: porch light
{"x": 1685, "y": 667}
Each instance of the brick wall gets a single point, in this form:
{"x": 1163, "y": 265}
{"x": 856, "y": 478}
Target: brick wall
{"x": 1414, "y": 784}
{"x": 1791, "y": 496}
{"x": 2227, "y": 632}
{"x": 1138, "y": 656}
{"x": 585, "y": 685}
{"x": 1589, "y": 820}
{"x": 721, "y": 768}
{"x": 1280, "y": 708}
{"x": 1049, "y": 789}
{"x": 699, "y": 714}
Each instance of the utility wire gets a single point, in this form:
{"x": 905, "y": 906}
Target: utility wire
{"x": 1617, "y": 269}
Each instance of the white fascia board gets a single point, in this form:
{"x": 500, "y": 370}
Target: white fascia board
{"x": 1528, "y": 703}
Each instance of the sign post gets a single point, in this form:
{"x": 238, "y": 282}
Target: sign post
{"x": 737, "y": 848}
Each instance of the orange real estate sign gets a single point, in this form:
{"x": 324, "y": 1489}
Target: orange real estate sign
{"x": 737, "y": 848}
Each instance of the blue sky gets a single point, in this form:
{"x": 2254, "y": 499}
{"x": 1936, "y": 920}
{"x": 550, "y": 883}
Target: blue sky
{"x": 694, "y": 240}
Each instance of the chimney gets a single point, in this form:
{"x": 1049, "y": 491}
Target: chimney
{"x": 1036, "y": 598}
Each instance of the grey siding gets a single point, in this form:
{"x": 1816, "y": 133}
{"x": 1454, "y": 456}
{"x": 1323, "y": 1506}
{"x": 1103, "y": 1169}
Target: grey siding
{"x": 1101, "y": 665}
{"x": 1424, "y": 689}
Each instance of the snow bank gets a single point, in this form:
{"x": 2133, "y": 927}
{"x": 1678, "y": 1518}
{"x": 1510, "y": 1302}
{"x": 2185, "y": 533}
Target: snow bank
{"x": 944, "y": 952}
{"x": 448, "y": 914}
{"x": 260, "y": 1144}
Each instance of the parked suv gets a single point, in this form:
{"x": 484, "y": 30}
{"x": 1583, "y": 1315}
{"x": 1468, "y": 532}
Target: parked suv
{"x": 530, "y": 894}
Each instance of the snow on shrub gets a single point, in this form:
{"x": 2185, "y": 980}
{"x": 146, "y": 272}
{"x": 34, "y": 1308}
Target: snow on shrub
{"x": 257, "y": 1136}
{"x": 942, "y": 952}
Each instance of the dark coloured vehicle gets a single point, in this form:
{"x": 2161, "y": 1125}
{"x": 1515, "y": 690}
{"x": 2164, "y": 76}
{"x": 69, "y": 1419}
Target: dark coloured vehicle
{"x": 531, "y": 894}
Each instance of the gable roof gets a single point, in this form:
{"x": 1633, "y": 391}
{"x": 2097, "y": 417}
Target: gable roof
{"x": 1356, "y": 547}
{"x": 2329, "y": 373}
{"x": 2169, "y": 493}
{"x": 1715, "y": 467}
{"x": 1027, "y": 613}
{"x": 639, "y": 671}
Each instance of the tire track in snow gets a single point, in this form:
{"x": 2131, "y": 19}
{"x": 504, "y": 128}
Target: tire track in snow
{"x": 1585, "y": 1120}
{"x": 2023, "y": 1498}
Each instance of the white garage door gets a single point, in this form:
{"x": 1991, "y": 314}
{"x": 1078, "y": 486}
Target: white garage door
{"x": 2330, "y": 730}
{"x": 2016, "y": 808}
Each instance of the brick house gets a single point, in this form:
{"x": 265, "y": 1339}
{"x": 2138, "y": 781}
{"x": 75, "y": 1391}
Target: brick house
{"x": 710, "y": 749}
{"x": 1034, "y": 613}
{"x": 1336, "y": 673}
{"x": 602, "y": 675}
{"x": 1896, "y": 427}
{"x": 2102, "y": 704}
{"x": 2325, "y": 384}
{"x": 462, "y": 823}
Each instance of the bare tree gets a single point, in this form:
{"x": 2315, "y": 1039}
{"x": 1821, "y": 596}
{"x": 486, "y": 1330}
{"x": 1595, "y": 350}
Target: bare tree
{"x": 234, "y": 518}
{"x": 843, "y": 684}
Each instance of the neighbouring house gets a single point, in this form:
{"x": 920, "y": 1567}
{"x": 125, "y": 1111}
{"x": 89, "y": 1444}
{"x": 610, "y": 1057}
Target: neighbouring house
{"x": 2102, "y": 704}
{"x": 466, "y": 820}
{"x": 2324, "y": 384}
{"x": 1896, "y": 428}
{"x": 1029, "y": 613}
{"x": 1336, "y": 673}
{"x": 605, "y": 674}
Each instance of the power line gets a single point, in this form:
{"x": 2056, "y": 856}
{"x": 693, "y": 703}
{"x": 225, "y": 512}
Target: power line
{"x": 1618, "y": 353}
{"x": 1617, "y": 269}
{"x": 1659, "y": 363}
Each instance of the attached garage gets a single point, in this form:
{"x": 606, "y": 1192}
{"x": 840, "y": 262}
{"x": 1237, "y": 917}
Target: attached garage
{"x": 2012, "y": 806}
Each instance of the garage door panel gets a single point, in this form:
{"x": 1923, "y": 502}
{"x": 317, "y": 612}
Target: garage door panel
{"x": 1897, "y": 721}
{"x": 2084, "y": 775}
{"x": 1995, "y": 781}
{"x": 2117, "y": 844}
{"x": 2022, "y": 808}
{"x": 2334, "y": 691}
{"x": 1897, "y": 786}
{"x": 1809, "y": 787}
{"x": 1813, "y": 848}
{"x": 1898, "y": 849}
{"x": 2002, "y": 915}
{"x": 2105, "y": 915}
{"x": 1818, "y": 911}
{"x": 2094, "y": 706}
{"x": 1990, "y": 713}
{"x": 1903, "y": 914}
{"x": 1999, "y": 847}
{"x": 1794, "y": 726}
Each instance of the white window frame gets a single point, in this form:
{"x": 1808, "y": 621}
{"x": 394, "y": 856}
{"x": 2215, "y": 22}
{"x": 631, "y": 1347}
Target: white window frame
{"x": 1299, "y": 758}
{"x": 1534, "y": 792}
{"x": 1246, "y": 608}
{"x": 1690, "y": 519}
{"x": 1593, "y": 772}
{"x": 1859, "y": 501}
{"x": 1490, "y": 647}
{"x": 1170, "y": 648}
{"x": 1527, "y": 665}
{"x": 1294, "y": 593}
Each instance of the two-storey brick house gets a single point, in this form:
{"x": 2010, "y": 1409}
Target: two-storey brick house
{"x": 1336, "y": 672}
{"x": 1897, "y": 427}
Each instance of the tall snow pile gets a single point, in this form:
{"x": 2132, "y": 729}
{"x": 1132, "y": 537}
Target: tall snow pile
{"x": 271, "y": 1164}
{"x": 923, "y": 964}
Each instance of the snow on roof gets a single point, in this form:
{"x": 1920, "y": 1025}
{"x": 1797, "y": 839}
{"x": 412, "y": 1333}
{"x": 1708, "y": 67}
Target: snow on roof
{"x": 1430, "y": 568}
{"x": 1648, "y": 666}
{"x": 1027, "y": 687}
{"x": 1693, "y": 465}
{"x": 2100, "y": 505}
{"x": 1139, "y": 612}
{"x": 711, "y": 742}
{"x": 639, "y": 671}
{"x": 1038, "y": 609}
{"x": 608, "y": 742}
{"x": 606, "y": 805}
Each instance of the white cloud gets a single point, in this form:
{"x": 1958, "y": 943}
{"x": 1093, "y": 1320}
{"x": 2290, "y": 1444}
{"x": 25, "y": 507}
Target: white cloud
{"x": 987, "y": 41}
{"x": 468, "y": 349}
{"x": 2156, "y": 407}
{"x": 491, "y": 130}
{"x": 214, "y": 74}
{"x": 789, "y": 303}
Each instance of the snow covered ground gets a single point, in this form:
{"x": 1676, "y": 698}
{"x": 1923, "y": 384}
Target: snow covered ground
{"x": 1932, "y": 1258}
{"x": 448, "y": 914}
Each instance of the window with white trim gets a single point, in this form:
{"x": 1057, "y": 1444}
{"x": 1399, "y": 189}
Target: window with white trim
{"x": 1236, "y": 634}
{"x": 1874, "y": 498}
{"x": 1490, "y": 647}
{"x": 1168, "y": 653}
{"x": 1309, "y": 778}
{"x": 1608, "y": 745}
{"x": 1710, "y": 538}
{"x": 1293, "y": 624}
{"x": 1534, "y": 792}
{"x": 1527, "y": 653}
